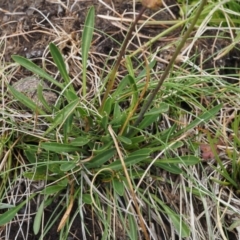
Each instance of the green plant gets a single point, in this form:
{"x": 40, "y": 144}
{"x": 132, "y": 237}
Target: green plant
{"x": 219, "y": 12}
{"x": 102, "y": 154}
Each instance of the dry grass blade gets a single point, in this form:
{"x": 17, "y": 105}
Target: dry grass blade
{"x": 68, "y": 210}
{"x": 133, "y": 194}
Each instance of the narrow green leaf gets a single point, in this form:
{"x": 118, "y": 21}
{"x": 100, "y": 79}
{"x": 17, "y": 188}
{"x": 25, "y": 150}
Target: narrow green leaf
{"x": 26, "y": 101}
{"x": 116, "y": 111}
{"x": 5, "y": 205}
{"x": 137, "y": 139}
{"x": 67, "y": 127}
{"x": 63, "y": 182}
{"x": 157, "y": 147}
{"x": 80, "y": 141}
{"x": 138, "y": 156}
{"x": 55, "y": 167}
{"x": 53, "y": 189}
{"x": 225, "y": 174}
{"x": 118, "y": 92}
{"x": 180, "y": 226}
{"x": 223, "y": 183}
{"x": 169, "y": 168}
{"x": 38, "y": 218}
{"x": 58, "y": 147}
{"x": 129, "y": 66}
{"x": 107, "y": 145}
{"x": 10, "y": 214}
{"x": 134, "y": 91}
{"x": 117, "y": 165}
{"x": 153, "y": 115}
{"x": 186, "y": 160}
{"x": 234, "y": 225}
{"x": 108, "y": 106}
{"x": 140, "y": 152}
{"x": 63, "y": 114}
{"x": 58, "y": 59}
{"x": 125, "y": 140}
{"x": 118, "y": 186}
{"x": 35, "y": 69}
{"x": 42, "y": 99}
{"x": 133, "y": 232}
{"x": 70, "y": 95}
{"x": 148, "y": 120}
{"x": 163, "y": 107}
{"x": 101, "y": 158}
{"x": 67, "y": 166}
{"x": 86, "y": 198}
{"x": 86, "y": 43}
{"x": 104, "y": 122}
{"x": 203, "y": 118}
{"x": 31, "y": 157}
{"x": 117, "y": 115}
{"x": 38, "y": 176}
{"x": 142, "y": 74}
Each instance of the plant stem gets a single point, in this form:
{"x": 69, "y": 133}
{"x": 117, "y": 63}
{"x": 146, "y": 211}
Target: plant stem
{"x": 112, "y": 75}
{"x": 132, "y": 192}
{"x": 169, "y": 66}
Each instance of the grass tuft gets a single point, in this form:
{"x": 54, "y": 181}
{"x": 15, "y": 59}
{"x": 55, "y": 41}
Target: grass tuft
{"x": 145, "y": 146}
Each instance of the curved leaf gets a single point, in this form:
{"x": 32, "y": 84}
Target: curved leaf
{"x": 35, "y": 69}
{"x": 58, "y": 147}
{"x": 58, "y": 59}
{"x": 86, "y": 43}
{"x": 101, "y": 158}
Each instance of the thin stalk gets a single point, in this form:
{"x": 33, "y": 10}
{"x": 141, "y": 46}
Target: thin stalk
{"x": 169, "y": 66}
{"x": 112, "y": 75}
{"x": 132, "y": 192}
{"x": 139, "y": 99}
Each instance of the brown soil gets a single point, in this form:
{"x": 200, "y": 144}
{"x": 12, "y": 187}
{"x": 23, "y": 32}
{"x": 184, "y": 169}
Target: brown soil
{"x": 28, "y": 26}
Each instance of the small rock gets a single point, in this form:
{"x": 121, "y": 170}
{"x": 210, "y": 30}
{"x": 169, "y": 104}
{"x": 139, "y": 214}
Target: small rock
{"x": 28, "y": 86}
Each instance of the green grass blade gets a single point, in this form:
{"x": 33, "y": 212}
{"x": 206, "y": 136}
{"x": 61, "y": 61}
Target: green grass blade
{"x": 180, "y": 226}
{"x": 206, "y": 116}
{"x": 53, "y": 189}
{"x": 151, "y": 116}
{"x": 63, "y": 115}
{"x": 65, "y": 167}
{"x": 42, "y": 99}
{"x": 169, "y": 167}
{"x": 186, "y": 160}
{"x": 118, "y": 186}
{"x": 121, "y": 86}
{"x": 101, "y": 158}
{"x": 80, "y": 141}
{"x": 134, "y": 91}
{"x": 58, "y": 59}
{"x": 10, "y": 214}
{"x": 86, "y": 43}
{"x": 133, "y": 233}
{"x": 35, "y": 69}
{"x": 26, "y": 101}
{"x": 138, "y": 156}
{"x": 38, "y": 218}
{"x": 58, "y": 147}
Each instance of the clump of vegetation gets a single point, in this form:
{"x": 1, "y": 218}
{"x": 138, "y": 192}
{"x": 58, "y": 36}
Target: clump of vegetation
{"x": 129, "y": 154}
